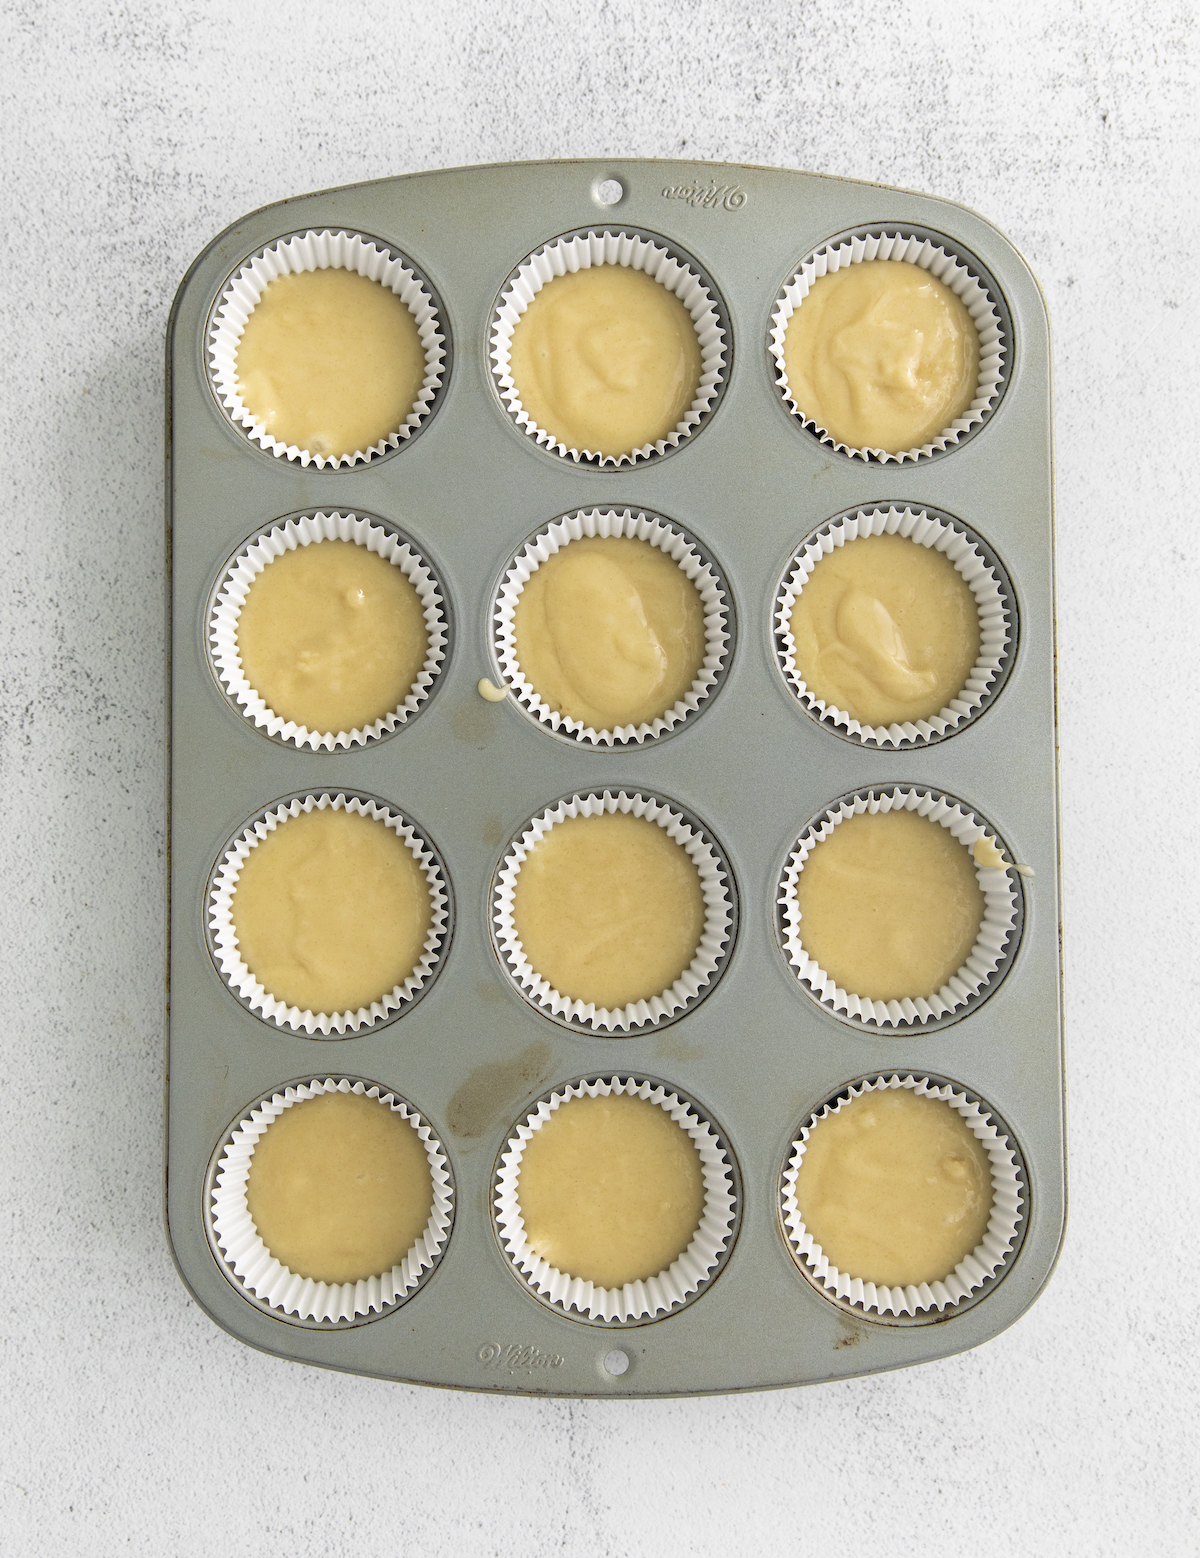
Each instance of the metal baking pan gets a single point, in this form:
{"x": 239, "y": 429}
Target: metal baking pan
{"x": 758, "y": 1054}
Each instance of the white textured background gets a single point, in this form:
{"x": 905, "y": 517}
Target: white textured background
{"x": 133, "y": 133}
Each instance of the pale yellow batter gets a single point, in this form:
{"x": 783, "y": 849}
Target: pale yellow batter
{"x": 881, "y": 355}
{"x": 611, "y": 1190}
{"x": 606, "y": 359}
{"x": 886, "y": 630}
{"x": 330, "y": 361}
{"x": 896, "y": 1189}
{"x": 332, "y": 636}
{"x": 339, "y": 1188}
{"x": 987, "y": 853}
{"x": 890, "y": 905}
{"x": 331, "y": 911}
{"x": 609, "y": 909}
{"x": 610, "y": 631}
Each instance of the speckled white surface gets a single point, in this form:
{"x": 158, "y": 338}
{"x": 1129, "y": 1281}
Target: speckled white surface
{"x": 132, "y": 133}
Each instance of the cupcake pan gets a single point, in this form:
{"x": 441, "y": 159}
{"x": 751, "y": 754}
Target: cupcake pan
{"x": 758, "y": 1054}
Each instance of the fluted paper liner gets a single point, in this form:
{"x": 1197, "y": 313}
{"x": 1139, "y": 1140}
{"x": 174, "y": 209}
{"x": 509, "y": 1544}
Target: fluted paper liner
{"x": 224, "y": 939}
{"x": 990, "y": 952}
{"x": 324, "y": 250}
{"x": 611, "y": 247}
{"x": 715, "y": 884}
{"x": 689, "y": 1272}
{"x": 945, "y": 266}
{"x": 641, "y": 526}
{"x": 272, "y": 1283}
{"x": 973, "y": 1270}
{"x": 310, "y": 530}
{"x": 991, "y": 599}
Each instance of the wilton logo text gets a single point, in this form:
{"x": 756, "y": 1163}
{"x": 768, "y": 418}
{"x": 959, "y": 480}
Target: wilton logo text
{"x": 512, "y": 1356}
{"x": 728, "y": 197}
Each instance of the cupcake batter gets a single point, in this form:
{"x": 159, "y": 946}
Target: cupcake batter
{"x": 339, "y": 1188}
{"x": 886, "y": 630}
{"x": 988, "y": 854}
{"x": 331, "y": 911}
{"x": 881, "y": 355}
{"x": 611, "y": 1190}
{"x": 895, "y": 1188}
{"x": 610, "y": 631}
{"x": 330, "y": 361}
{"x": 890, "y": 906}
{"x": 606, "y": 360}
{"x": 332, "y": 636}
{"x": 609, "y": 909}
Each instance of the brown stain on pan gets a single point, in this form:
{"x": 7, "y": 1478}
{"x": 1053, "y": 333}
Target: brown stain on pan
{"x": 489, "y": 1091}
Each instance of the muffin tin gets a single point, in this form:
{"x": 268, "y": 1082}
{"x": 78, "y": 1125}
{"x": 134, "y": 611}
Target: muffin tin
{"x": 751, "y": 766}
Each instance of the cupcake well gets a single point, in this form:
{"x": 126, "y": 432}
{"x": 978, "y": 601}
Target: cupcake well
{"x": 981, "y": 1267}
{"x": 716, "y": 882}
{"x": 642, "y": 251}
{"x": 981, "y": 571}
{"x": 237, "y": 578}
{"x": 322, "y": 250}
{"x": 673, "y": 542}
{"x": 995, "y": 945}
{"x": 636, "y": 1302}
{"x": 962, "y": 274}
{"x": 252, "y": 1268}
{"x": 223, "y": 940}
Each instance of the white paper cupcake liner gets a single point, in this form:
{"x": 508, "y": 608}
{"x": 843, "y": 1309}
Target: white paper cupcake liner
{"x": 984, "y": 579}
{"x": 256, "y": 1270}
{"x": 993, "y": 947}
{"x": 686, "y": 1277}
{"x": 945, "y": 266}
{"x": 716, "y": 883}
{"x": 307, "y": 530}
{"x": 323, "y": 250}
{"x": 988, "y": 1257}
{"x": 642, "y": 526}
{"x": 580, "y": 251}
{"x": 223, "y": 939}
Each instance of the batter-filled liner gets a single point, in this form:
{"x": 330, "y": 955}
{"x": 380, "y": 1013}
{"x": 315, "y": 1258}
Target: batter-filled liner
{"x": 646, "y": 253}
{"x": 940, "y": 260}
{"x": 975, "y": 1269}
{"x": 993, "y": 598}
{"x": 223, "y": 939}
{"x": 657, "y": 532}
{"x": 308, "y": 530}
{"x": 716, "y": 885}
{"x": 251, "y": 1265}
{"x": 323, "y": 250}
{"x": 691, "y": 1271}
{"x": 994, "y": 945}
